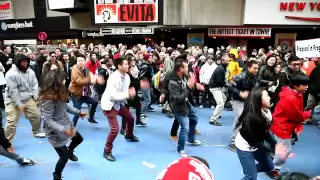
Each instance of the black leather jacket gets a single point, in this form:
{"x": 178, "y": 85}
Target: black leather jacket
{"x": 242, "y": 82}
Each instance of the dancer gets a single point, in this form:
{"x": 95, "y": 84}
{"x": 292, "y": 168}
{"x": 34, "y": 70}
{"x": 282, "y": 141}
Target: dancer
{"x": 254, "y": 122}
{"x": 81, "y": 79}
{"x": 113, "y": 103}
{"x": 239, "y": 89}
{"x": 133, "y": 72}
{"x": 289, "y": 115}
{"x": 217, "y": 86}
{"x": 179, "y": 90}
{"x": 21, "y": 95}
{"x": 57, "y": 125}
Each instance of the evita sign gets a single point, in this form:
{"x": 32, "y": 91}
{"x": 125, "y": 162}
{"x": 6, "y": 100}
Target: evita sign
{"x": 245, "y": 32}
{"x": 17, "y": 25}
{"x": 107, "y": 12}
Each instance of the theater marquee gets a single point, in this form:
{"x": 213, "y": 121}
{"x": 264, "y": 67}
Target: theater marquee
{"x": 121, "y": 12}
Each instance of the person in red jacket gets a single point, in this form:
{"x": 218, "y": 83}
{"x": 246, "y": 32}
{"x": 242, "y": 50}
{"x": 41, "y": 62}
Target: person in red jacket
{"x": 289, "y": 115}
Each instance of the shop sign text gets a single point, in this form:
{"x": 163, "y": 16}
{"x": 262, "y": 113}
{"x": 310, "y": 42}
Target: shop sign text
{"x": 249, "y": 32}
{"x": 299, "y": 6}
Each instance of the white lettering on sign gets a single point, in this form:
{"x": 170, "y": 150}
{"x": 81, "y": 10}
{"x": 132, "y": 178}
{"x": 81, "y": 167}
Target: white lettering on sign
{"x": 17, "y": 25}
{"x": 308, "y": 48}
{"x": 249, "y": 32}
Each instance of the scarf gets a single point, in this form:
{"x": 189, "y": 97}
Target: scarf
{"x": 134, "y": 71}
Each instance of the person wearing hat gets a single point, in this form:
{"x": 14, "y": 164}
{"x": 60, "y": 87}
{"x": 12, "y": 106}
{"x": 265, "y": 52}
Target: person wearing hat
{"x": 21, "y": 95}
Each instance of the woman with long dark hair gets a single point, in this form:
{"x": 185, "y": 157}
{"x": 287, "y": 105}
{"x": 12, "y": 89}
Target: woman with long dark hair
{"x": 255, "y": 121}
{"x": 57, "y": 125}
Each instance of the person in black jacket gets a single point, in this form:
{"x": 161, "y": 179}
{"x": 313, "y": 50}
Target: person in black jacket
{"x": 254, "y": 123}
{"x": 239, "y": 89}
{"x": 217, "y": 85}
{"x": 145, "y": 77}
{"x": 179, "y": 89}
{"x": 8, "y": 151}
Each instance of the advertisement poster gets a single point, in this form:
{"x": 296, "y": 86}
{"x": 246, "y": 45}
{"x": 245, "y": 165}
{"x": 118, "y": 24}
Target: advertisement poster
{"x": 196, "y": 39}
{"x": 122, "y": 11}
{"x": 285, "y": 40}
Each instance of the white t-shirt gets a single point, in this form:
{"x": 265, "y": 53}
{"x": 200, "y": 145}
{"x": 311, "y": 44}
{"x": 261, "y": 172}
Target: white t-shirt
{"x": 242, "y": 144}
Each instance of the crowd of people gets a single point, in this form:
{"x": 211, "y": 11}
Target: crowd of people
{"x": 270, "y": 93}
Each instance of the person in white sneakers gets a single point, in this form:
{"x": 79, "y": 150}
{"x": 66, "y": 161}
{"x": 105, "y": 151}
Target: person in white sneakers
{"x": 21, "y": 95}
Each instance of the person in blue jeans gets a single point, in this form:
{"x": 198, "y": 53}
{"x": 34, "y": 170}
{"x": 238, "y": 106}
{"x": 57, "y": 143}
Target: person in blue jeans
{"x": 179, "y": 89}
{"x": 254, "y": 125}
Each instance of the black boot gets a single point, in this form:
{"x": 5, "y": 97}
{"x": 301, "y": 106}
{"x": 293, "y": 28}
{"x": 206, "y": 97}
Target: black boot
{"x": 91, "y": 117}
{"x": 72, "y": 157}
{"x": 109, "y": 156}
{"x": 57, "y": 177}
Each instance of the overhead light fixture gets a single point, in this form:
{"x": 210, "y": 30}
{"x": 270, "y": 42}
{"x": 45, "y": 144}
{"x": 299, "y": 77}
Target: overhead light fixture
{"x": 165, "y": 30}
{"x": 189, "y": 28}
{"x": 183, "y": 26}
{"x": 262, "y": 38}
{"x": 214, "y": 37}
{"x": 161, "y": 29}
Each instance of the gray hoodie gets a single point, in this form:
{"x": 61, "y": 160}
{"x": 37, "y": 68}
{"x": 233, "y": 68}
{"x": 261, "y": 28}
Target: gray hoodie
{"x": 20, "y": 86}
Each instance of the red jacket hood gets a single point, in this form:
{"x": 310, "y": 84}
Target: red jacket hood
{"x": 286, "y": 91}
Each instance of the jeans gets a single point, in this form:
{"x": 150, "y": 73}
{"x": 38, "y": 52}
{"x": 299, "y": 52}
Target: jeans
{"x": 183, "y": 121}
{"x": 146, "y": 96}
{"x": 13, "y": 156}
{"x": 77, "y": 103}
{"x": 278, "y": 160}
{"x": 114, "y": 125}
{"x": 64, "y": 153}
{"x": 237, "y": 107}
{"x": 249, "y": 166}
{"x": 220, "y": 99}
{"x": 174, "y": 128}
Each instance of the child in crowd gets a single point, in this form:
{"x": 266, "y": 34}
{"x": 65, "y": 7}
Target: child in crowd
{"x": 289, "y": 115}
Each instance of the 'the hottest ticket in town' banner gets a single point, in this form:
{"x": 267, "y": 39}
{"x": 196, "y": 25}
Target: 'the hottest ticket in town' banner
{"x": 107, "y": 12}
{"x": 308, "y": 48}
{"x": 244, "y": 32}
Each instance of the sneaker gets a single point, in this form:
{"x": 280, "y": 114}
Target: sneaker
{"x": 200, "y": 106}
{"x": 141, "y": 123}
{"x": 150, "y": 109}
{"x": 160, "y": 105}
{"x": 143, "y": 116}
{"x": 132, "y": 138}
{"x": 174, "y": 138}
{"x": 109, "y": 157}
{"x": 123, "y": 131}
{"x": 273, "y": 174}
{"x": 182, "y": 154}
{"x": 92, "y": 121}
{"x": 232, "y": 147}
{"x": 212, "y": 107}
{"x": 215, "y": 123}
{"x": 195, "y": 143}
{"x": 40, "y": 135}
{"x": 27, "y": 162}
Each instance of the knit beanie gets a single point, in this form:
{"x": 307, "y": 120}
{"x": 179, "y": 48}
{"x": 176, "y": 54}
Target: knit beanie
{"x": 185, "y": 169}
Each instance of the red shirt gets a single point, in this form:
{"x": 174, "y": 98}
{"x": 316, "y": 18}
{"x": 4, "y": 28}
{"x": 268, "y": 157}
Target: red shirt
{"x": 93, "y": 67}
{"x": 186, "y": 169}
{"x": 289, "y": 114}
